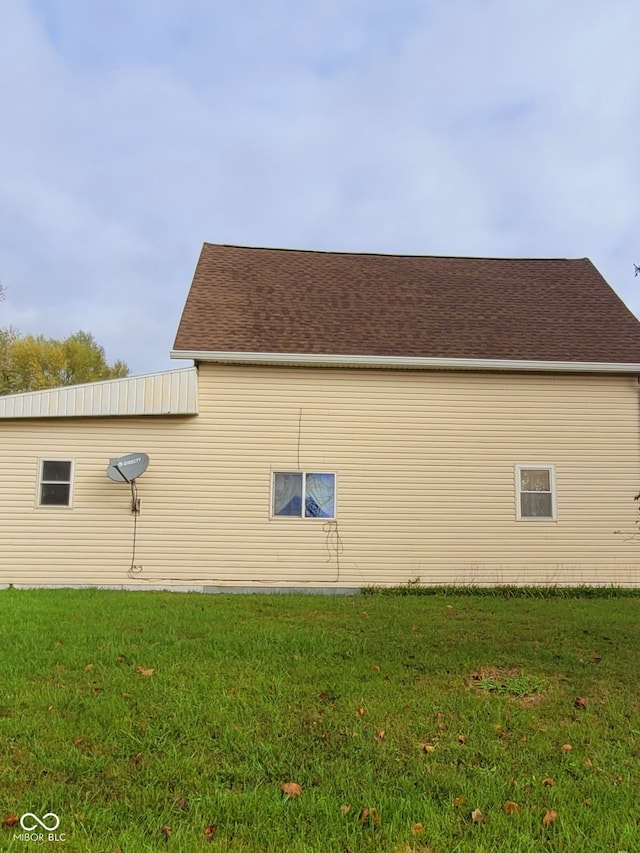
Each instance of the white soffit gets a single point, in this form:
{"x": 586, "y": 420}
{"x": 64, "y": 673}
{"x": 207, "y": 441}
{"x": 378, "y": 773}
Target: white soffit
{"x": 407, "y": 362}
{"x": 173, "y": 392}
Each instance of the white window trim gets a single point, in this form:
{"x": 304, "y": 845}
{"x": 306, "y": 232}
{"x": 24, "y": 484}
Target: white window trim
{"x": 41, "y": 461}
{"x": 536, "y": 466}
{"x": 302, "y": 516}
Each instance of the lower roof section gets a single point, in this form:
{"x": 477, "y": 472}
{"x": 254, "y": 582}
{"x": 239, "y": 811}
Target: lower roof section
{"x": 172, "y": 392}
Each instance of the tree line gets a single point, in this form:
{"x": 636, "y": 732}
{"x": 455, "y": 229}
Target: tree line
{"x": 34, "y": 362}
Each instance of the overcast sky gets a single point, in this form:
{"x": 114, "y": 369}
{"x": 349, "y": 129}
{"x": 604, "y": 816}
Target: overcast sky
{"x": 132, "y": 131}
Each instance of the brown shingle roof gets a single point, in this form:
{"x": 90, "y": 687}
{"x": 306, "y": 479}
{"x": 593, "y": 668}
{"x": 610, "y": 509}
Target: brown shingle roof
{"x": 289, "y": 301}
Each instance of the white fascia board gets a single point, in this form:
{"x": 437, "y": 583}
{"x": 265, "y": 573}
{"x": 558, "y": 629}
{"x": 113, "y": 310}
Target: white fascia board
{"x": 406, "y": 362}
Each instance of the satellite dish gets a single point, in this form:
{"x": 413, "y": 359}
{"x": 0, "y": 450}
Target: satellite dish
{"x": 127, "y": 468}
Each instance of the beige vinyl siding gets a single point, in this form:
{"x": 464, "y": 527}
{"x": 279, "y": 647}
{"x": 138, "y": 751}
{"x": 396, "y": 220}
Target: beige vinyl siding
{"x": 425, "y": 467}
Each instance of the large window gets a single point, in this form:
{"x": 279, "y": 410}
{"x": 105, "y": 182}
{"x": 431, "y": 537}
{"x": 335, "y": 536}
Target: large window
{"x": 54, "y": 482}
{"x": 535, "y": 493}
{"x": 302, "y": 494}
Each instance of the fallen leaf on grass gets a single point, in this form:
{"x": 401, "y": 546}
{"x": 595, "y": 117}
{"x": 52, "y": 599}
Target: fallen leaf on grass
{"x": 512, "y": 808}
{"x": 88, "y": 667}
{"x": 375, "y": 667}
{"x": 428, "y": 747}
{"x": 549, "y": 817}
{"x": 566, "y": 748}
{"x": 477, "y": 816}
{"x": 291, "y": 789}
{"x": 166, "y": 831}
{"x": 462, "y": 739}
{"x": 581, "y": 702}
{"x": 142, "y": 671}
{"x": 417, "y": 828}
{"x": 548, "y": 781}
{"x": 380, "y": 734}
{"x": 10, "y": 820}
{"x": 345, "y": 809}
{"x": 360, "y": 712}
{"x": 459, "y": 802}
{"x": 369, "y": 817}
{"x": 210, "y": 831}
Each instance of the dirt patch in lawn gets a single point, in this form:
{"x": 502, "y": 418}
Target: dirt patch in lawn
{"x": 527, "y": 689}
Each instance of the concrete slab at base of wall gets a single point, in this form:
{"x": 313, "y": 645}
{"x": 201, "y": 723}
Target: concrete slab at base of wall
{"x": 213, "y": 590}
{"x": 281, "y": 590}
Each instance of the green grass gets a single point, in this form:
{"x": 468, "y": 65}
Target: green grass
{"x": 422, "y": 708}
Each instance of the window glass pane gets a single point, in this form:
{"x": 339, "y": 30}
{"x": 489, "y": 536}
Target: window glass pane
{"x": 287, "y": 494}
{"x": 536, "y": 505}
{"x": 56, "y": 494}
{"x": 320, "y": 496}
{"x": 56, "y": 471}
{"x": 535, "y": 480}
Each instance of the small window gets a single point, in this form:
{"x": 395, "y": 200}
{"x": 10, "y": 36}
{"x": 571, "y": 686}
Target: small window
{"x": 54, "y": 488}
{"x": 535, "y": 488}
{"x": 302, "y": 494}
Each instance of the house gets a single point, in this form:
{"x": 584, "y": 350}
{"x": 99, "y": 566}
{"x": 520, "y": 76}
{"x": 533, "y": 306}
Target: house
{"x": 350, "y": 420}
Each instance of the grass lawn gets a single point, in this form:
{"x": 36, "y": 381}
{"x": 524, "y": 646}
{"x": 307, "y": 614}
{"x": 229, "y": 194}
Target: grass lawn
{"x": 166, "y": 721}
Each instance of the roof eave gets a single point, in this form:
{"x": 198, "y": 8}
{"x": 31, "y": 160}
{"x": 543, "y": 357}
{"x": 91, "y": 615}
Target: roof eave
{"x": 406, "y": 362}
{"x": 170, "y": 392}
